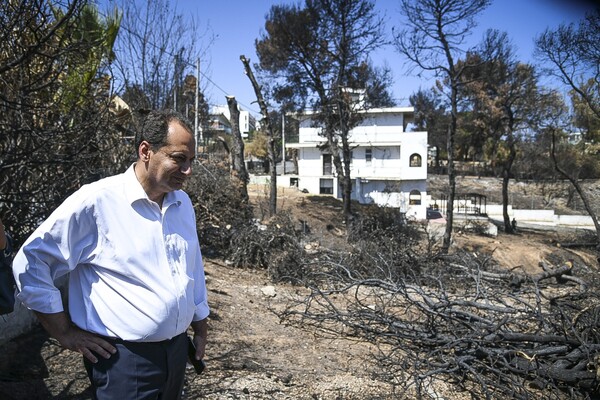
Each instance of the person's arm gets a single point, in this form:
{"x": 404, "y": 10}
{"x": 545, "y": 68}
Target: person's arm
{"x": 61, "y": 243}
{"x": 200, "y": 336}
{"x": 2, "y": 236}
{"x": 59, "y": 326}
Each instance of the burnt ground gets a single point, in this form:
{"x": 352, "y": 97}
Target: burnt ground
{"x": 250, "y": 354}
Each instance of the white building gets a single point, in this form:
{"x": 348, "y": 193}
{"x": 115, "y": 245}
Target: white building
{"x": 247, "y": 121}
{"x": 388, "y": 165}
{"x": 574, "y": 137}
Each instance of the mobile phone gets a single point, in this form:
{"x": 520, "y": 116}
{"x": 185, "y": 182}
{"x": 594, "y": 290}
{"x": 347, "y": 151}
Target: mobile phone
{"x": 198, "y": 364}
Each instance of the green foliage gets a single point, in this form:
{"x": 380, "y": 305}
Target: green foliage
{"x": 52, "y": 141}
{"x": 95, "y": 37}
{"x": 590, "y": 166}
{"x": 321, "y": 47}
{"x": 431, "y": 116}
{"x": 318, "y": 57}
{"x": 258, "y": 146}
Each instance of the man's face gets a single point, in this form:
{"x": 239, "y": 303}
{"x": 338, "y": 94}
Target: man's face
{"x": 170, "y": 165}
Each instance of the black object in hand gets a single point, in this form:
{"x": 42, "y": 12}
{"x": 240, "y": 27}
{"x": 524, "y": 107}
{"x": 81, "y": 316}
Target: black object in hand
{"x": 198, "y": 364}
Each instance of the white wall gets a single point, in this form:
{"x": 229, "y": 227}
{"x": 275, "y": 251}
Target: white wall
{"x": 385, "y": 162}
{"x": 20, "y": 321}
{"x": 363, "y": 134}
{"x": 535, "y": 216}
{"x": 495, "y": 210}
{"x": 246, "y": 120}
{"x": 381, "y": 133}
{"x": 540, "y": 217}
{"x": 584, "y": 221}
{"x": 377, "y": 126}
{"x": 388, "y": 160}
{"x": 395, "y": 194}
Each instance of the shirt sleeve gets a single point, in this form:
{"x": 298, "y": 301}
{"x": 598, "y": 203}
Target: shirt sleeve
{"x": 56, "y": 247}
{"x": 200, "y": 294}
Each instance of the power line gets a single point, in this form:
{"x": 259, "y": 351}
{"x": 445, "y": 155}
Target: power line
{"x": 188, "y": 64}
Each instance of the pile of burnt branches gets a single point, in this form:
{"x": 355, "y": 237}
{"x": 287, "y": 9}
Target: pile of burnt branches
{"x": 290, "y": 253}
{"x": 462, "y": 321}
{"x": 274, "y": 246}
{"x": 221, "y": 209}
{"x": 227, "y": 228}
{"x": 371, "y": 221}
{"x": 456, "y": 320}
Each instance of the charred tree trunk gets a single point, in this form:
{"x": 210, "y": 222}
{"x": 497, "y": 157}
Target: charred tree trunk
{"x": 346, "y": 185}
{"x": 238, "y": 167}
{"x": 270, "y": 135}
{"x": 344, "y": 172}
{"x": 452, "y": 186}
{"x": 508, "y": 228}
{"x": 295, "y": 159}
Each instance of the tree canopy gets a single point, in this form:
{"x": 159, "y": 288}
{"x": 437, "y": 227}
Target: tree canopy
{"x": 573, "y": 54}
{"x": 433, "y": 40}
{"x": 319, "y": 56}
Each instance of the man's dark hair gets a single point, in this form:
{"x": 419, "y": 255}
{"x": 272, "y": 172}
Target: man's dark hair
{"x": 155, "y": 127}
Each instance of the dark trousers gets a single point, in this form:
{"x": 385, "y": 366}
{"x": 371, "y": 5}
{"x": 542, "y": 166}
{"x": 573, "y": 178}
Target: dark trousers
{"x": 140, "y": 371}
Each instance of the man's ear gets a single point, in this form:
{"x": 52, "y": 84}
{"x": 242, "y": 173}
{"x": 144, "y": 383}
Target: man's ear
{"x": 144, "y": 151}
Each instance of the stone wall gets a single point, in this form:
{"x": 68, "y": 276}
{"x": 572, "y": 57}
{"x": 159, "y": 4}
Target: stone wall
{"x": 20, "y": 321}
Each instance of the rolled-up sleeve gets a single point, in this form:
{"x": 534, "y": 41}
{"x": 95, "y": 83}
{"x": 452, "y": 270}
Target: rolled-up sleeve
{"x": 200, "y": 296}
{"x": 55, "y": 248}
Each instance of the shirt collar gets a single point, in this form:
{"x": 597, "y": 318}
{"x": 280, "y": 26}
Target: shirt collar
{"x": 134, "y": 190}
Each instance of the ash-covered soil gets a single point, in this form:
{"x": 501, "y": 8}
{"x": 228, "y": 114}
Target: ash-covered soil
{"x": 251, "y": 355}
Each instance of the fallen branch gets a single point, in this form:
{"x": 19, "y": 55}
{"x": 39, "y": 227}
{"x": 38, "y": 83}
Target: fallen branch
{"x": 488, "y": 331}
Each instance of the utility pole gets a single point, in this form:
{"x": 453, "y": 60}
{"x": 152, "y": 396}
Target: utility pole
{"x": 283, "y": 143}
{"x": 175, "y": 83}
{"x": 197, "y": 132}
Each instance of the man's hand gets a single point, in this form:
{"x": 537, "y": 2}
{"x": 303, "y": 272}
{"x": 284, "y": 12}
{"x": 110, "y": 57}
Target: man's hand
{"x": 200, "y": 337}
{"x": 73, "y": 338}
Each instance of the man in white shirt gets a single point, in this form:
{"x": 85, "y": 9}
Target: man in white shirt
{"x": 136, "y": 280}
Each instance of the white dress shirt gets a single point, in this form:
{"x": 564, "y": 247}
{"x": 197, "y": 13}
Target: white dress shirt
{"x": 136, "y": 270}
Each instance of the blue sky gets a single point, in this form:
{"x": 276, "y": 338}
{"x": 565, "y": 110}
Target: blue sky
{"x": 238, "y": 23}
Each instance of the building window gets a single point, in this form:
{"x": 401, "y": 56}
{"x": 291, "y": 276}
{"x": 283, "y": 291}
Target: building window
{"x": 327, "y": 164}
{"x": 414, "y": 198}
{"x": 415, "y": 160}
{"x": 326, "y": 186}
{"x": 368, "y": 155}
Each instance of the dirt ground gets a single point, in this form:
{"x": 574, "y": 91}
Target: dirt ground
{"x": 250, "y": 354}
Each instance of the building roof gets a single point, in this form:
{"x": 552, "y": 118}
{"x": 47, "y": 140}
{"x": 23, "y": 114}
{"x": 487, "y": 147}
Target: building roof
{"x": 386, "y": 110}
{"x": 354, "y": 144}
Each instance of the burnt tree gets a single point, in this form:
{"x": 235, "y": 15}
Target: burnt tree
{"x": 270, "y": 135}
{"x": 238, "y": 167}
